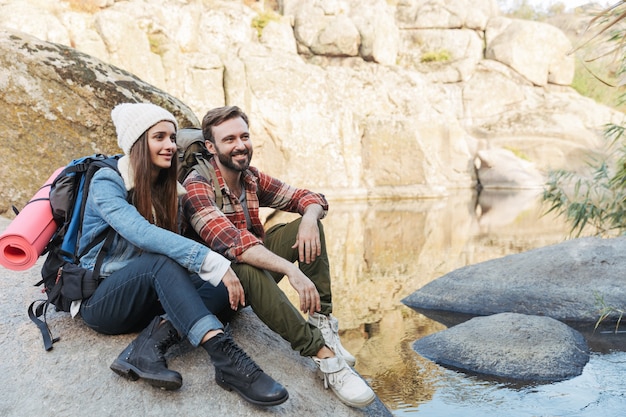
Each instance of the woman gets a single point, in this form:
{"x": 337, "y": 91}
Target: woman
{"x": 150, "y": 269}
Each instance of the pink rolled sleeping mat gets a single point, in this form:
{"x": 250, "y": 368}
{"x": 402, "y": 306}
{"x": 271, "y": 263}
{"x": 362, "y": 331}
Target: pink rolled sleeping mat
{"x": 24, "y": 240}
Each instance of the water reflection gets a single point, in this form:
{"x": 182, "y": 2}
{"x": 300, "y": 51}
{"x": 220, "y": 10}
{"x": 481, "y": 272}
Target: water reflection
{"x": 382, "y": 251}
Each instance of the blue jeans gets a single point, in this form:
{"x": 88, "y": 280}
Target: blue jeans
{"x": 128, "y": 300}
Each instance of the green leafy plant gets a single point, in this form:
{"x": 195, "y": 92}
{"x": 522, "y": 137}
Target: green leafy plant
{"x": 588, "y": 203}
{"x": 606, "y": 311}
{"x": 441, "y": 55}
{"x": 260, "y": 21}
{"x": 598, "y": 201}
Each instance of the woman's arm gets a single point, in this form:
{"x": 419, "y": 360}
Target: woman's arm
{"x": 107, "y": 200}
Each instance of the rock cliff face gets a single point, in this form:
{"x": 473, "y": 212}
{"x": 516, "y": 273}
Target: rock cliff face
{"x": 56, "y": 102}
{"x": 365, "y": 99}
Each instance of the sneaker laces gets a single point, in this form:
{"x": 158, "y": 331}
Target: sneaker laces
{"x": 329, "y": 329}
{"x": 337, "y": 378}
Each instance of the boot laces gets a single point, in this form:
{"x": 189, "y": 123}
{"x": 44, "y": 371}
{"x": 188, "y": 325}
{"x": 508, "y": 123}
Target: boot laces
{"x": 171, "y": 339}
{"x": 241, "y": 360}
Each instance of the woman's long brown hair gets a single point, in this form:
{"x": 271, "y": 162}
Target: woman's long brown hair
{"x": 162, "y": 195}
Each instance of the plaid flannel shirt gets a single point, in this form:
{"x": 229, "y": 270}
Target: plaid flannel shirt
{"x": 226, "y": 231}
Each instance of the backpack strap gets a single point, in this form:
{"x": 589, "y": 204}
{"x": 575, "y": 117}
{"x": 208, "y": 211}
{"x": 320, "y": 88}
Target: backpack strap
{"x": 39, "y": 308}
{"x": 205, "y": 169}
{"x": 108, "y": 241}
{"x": 37, "y": 311}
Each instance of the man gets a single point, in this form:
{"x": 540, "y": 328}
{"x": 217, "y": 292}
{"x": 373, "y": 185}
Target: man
{"x": 261, "y": 259}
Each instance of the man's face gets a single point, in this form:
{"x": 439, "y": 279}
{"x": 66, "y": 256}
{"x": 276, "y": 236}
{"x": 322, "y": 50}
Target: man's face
{"x": 233, "y": 146}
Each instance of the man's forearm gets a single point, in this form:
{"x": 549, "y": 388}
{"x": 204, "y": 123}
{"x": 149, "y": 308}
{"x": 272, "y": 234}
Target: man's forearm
{"x": 314, "y": 211}
{"x": 260, "y": 257}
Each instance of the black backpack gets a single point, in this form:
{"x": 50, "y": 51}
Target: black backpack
{"x": 63, "y": 279}
{"x": 193, "y": 155}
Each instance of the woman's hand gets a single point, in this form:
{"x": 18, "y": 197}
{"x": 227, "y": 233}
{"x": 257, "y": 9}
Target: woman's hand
{"x": 236, "y": 295}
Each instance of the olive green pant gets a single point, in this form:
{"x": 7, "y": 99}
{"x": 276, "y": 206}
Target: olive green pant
{"x": 271, "y": 304}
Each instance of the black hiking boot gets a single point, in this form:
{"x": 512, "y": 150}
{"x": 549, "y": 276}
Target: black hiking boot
{"x": 145, "y": 356}
{"x": 235, "y": 370}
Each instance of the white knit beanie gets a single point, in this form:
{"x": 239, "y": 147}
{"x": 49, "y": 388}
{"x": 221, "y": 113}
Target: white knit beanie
{"x": 131, "y": 120}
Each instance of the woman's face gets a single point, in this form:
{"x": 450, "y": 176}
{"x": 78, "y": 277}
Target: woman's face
{"x": 162, "y": 144}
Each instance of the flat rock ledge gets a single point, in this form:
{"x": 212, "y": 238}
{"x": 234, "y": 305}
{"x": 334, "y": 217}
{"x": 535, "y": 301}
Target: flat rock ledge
{"x": 74, "y": 378}
{"x": 511, "y": 346}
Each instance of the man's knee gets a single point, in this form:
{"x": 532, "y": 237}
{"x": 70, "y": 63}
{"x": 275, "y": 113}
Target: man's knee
{"x": 249, "y": 275}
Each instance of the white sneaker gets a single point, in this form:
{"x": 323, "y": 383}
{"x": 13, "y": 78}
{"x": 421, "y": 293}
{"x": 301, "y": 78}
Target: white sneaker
{"x": 344, "y": 382}
{"x": 330, "y": 330}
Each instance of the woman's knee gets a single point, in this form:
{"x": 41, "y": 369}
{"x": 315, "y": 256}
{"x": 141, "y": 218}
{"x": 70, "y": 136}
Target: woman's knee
{"x": 162, "y": 264}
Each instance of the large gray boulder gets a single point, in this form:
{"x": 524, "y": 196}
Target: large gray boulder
{"x": 509, "y": 345}
{"x": 510, "y": 340}
{"x": 563, "y": 281}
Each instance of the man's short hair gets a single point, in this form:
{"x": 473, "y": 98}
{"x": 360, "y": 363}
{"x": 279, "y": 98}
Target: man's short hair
{"x": 219, "y": 115}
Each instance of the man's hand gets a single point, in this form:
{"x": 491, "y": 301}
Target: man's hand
{"x": 236, "y": 296}
{"x": 308, "y": 237}
{"x": 309, "y": 297}
{"x": 261, "y": 257}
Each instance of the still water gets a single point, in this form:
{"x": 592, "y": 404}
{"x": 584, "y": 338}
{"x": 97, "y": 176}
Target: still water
{"x": 380, "y": 252}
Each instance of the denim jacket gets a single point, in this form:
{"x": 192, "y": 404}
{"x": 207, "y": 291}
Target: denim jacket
{"x": 107, "y": 205}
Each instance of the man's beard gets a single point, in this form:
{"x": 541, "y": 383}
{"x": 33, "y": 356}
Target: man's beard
{"x": 227, "y": 160}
